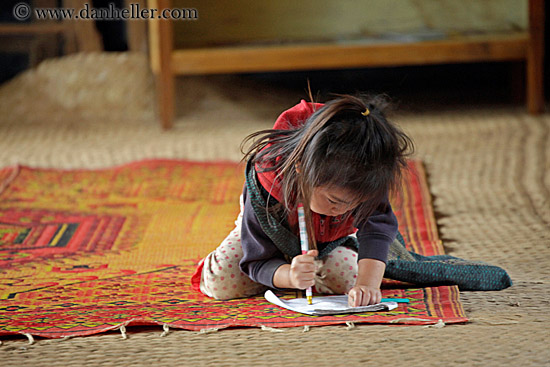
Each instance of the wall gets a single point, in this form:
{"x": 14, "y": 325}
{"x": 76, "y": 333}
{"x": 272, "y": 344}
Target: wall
{"x": 240, "y": 21}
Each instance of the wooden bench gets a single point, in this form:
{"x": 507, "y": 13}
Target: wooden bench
{"x": 167, "y": 62}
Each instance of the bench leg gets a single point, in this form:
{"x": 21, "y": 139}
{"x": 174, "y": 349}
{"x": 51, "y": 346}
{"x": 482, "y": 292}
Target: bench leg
{"x": 535, "y": 54}
{"x": 161, "y": 45}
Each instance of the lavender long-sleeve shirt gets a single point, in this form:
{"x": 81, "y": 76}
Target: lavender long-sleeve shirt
{"x": 261, "y": 258}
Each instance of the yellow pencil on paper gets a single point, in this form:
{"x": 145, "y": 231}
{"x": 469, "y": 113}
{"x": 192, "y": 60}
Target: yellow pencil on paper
{"x": 305, "y": 244}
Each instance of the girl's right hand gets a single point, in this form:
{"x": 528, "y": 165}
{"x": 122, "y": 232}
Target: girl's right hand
{"x": 302, "y": 270}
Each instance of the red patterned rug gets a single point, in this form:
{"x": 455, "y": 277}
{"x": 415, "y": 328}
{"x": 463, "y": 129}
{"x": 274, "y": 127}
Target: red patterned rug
{"x": 83, "y": 252}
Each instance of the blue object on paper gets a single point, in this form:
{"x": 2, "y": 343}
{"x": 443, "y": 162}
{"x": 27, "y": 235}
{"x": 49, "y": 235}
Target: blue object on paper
{"x": 398, "y": 300}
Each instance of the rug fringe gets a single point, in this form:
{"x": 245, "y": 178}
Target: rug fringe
{"x": 438, "y": 325}
{"x": 29, "y": 336}
{"x": 306, "y": 328}
{"x": 166, "y": 329}
{"x": 206, "y": 331}
{"x": 350, "y": 325}
{"x": 123, "y": 332}
{"x": 273, "y": 330}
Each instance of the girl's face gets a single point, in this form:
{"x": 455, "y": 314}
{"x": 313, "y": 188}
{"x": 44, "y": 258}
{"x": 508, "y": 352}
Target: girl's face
{"x": 331, "y": 200}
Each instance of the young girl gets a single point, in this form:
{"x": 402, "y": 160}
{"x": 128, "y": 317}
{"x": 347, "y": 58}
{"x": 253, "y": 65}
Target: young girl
{"x": 340, "y": 160}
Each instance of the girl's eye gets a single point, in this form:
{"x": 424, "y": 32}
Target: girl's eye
{"x": 332, "y": 201}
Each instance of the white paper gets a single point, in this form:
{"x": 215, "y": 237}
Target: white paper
{"x": 328, "y": 305}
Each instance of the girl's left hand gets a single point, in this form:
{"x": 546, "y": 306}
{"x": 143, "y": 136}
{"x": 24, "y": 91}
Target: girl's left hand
{"x": 362, "y": 295}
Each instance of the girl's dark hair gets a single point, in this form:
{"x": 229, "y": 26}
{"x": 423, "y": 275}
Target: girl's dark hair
{"x": 337, "y": 146}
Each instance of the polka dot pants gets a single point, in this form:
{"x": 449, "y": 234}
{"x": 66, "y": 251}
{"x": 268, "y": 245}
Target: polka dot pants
{"x": 337, "y": 272}
{"x": 222, "y": 278}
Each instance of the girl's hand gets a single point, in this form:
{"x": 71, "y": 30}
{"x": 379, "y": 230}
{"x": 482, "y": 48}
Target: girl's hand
{"x": 302, "y": 270}
{"x": 363, "y": 295}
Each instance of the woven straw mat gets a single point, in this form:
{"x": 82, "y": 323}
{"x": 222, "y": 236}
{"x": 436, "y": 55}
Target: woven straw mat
{"x": 489, "y": 172}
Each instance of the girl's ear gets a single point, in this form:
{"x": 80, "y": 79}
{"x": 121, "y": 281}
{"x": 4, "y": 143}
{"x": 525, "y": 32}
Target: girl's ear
{"x": 297, "y": 167}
